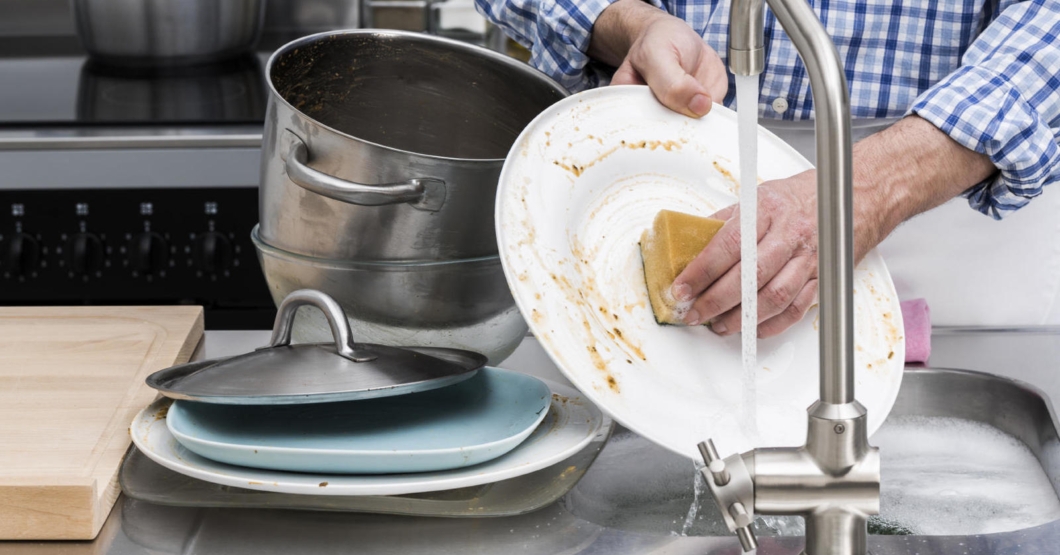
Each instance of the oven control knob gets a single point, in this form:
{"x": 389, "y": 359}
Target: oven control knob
{"x": 86, "y": 253}
{"x": 23, "y": 254}
{"x": 148, "y": 253}
{"x": 214, "y": 252}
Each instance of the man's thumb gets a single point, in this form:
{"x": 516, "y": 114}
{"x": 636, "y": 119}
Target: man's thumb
{"x": 674, "y": 87}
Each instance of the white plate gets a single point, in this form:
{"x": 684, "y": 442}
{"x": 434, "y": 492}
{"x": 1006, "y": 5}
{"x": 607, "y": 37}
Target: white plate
{"x": 581, "y": 184}
{"x": 570, "y": 425}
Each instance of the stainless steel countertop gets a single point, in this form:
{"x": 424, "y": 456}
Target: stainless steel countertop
{"x": 1031, "y": 355}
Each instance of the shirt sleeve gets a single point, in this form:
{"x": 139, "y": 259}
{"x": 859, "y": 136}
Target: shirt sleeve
{"x": 1004, "y": 101}
{"x": 556, "y": 32}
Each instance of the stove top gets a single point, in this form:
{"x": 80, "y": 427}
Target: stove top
{"x": 130, "y": 186}
{"x": 67, "y": 89}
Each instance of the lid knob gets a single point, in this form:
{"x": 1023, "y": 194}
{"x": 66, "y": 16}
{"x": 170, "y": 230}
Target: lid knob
{"x": 340, "y": 326}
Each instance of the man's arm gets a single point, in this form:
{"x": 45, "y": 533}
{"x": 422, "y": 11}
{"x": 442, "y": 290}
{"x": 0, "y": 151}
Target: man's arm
{"x": 989, "y": 130}
{"x": 1004, "y": 102}
{"x": 898, "y": 173}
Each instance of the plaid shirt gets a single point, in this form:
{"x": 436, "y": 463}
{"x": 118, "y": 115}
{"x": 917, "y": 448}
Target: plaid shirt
{"x": 986, "y": 72}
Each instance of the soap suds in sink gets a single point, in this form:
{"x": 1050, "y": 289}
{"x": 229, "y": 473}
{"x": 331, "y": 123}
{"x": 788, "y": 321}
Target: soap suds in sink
{"x": 952, "y": 476}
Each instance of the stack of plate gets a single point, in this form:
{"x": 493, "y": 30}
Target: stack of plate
{"x": 357, "y": 419}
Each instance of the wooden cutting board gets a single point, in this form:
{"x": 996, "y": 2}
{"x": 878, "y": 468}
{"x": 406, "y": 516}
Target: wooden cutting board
{"x": 71, "y": 380}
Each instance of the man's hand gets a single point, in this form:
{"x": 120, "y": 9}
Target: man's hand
{"x": 898, "y": 173}
{"x": 652, "y": 47}
{"x": 787, "y": 262}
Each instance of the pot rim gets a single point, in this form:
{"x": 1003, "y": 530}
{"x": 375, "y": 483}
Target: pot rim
{"x": 477, "y": 50}
{"x": 376, "y": 265}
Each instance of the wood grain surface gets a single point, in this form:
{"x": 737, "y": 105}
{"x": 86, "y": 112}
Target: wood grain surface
{"x": 71, "y": 380}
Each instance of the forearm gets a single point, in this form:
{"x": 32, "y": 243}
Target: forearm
{"x": 905, "y": 170}
{"x": 617, "y": 27}
{"x": 1004, "y": 101}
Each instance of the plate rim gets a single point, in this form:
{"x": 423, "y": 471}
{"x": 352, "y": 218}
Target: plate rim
{"x": 377, "y": 452}
{"x": 522, "y": 297}
{"x": 424, "y": 482}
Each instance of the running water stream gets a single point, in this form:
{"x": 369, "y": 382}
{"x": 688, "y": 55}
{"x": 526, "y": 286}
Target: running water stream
{"x": 747, "y": 120}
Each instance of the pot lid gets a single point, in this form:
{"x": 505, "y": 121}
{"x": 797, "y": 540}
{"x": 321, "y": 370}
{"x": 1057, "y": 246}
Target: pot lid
{"x": 318, "y": 372}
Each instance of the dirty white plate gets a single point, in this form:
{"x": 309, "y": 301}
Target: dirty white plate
{"x": 570, "y": 424}
{"x": 581, "y": 184}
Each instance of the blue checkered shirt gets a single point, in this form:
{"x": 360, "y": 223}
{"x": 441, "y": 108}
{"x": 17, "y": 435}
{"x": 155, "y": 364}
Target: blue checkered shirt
{"x": 986, "y": 72}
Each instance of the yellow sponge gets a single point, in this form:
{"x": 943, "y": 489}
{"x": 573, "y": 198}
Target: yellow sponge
{"x": 672, "y": 242}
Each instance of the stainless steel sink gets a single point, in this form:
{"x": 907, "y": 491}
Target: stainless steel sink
{"x": 964, "y": 454}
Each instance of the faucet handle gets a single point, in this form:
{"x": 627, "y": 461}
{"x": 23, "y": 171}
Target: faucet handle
{"x": 744, "y": 531}
{"x": 732, "y": 486}
{"x": 714, "y": 462}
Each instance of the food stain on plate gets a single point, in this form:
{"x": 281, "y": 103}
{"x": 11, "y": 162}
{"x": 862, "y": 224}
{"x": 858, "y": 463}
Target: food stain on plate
{"x": 578, "y": 169}
{"x": 606, "y": 318}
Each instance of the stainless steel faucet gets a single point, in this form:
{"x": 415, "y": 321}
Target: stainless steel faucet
{"x": 834, "y": 480}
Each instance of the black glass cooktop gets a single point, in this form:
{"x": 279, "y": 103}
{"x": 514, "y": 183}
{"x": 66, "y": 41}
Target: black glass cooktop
{"x": 64, "y": 88}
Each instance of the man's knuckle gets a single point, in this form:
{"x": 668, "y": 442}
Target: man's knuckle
{"x": 769, "y": 260}
{"x": 791, "y": 315}
{"x": 805, "y": 233}
{"x": 761, "y": 273}
{"x": 805, "y": 299}
{"x": 777, "y": 296}
{"x": 731, "y": 242}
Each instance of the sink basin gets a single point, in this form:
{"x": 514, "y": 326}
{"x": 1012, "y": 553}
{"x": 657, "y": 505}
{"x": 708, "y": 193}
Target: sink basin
{"x": 963, "y": 453}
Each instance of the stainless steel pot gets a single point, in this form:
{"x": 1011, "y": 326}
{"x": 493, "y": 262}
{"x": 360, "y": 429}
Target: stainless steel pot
{"x": 462, "y": 304}
{"x": 387, "y": 146}
{"x": 167, "y": 32}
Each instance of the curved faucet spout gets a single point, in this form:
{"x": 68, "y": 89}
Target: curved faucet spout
{"x": 834, "y": 479}
{"x": 835, "y": 254}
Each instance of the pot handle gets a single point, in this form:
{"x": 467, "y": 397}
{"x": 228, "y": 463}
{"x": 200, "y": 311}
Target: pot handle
{"x": 421, "y": 193}
{"x": 340, "y": 326}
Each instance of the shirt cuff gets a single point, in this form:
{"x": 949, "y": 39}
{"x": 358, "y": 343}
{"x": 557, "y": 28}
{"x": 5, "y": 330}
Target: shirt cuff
{"x": 564, "y": 30}
{"x": 985, "y": 112}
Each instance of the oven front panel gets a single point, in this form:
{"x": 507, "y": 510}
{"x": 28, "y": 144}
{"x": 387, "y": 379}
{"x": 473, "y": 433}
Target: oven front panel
{"x": 135, "y": 246}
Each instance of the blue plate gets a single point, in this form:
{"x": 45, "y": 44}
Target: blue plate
{"x": 460, "y": 425}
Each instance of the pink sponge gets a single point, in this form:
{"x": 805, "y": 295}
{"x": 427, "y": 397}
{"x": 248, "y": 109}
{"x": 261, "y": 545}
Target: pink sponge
{"x": 917, "y": 318}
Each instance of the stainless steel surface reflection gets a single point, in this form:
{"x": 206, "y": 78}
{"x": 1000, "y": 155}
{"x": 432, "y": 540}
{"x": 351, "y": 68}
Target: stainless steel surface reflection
{"x": 341, "y": 370}
{"x": 231, "y": 91}
{"x": 139, "y": 528}
{"x": 145, "y": 480}
{"x": 161, "y": 32}
{"x": 461, "y": 304}
{"x": 639, "y": 487}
